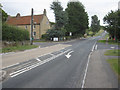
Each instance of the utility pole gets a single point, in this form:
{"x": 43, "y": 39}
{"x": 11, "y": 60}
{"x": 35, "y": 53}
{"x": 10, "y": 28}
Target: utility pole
{"x": 31, "y": 37}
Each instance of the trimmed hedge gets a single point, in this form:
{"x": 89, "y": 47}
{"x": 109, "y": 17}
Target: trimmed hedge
{"x": 12, "y": 33}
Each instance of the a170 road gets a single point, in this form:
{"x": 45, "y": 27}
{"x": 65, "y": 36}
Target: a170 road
{"x": 61, "y": 72}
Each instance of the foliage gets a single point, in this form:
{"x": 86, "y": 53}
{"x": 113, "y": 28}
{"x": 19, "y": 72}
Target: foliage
{"x": 99, "y": 33}
{"x": 115, "y": 66}
{"x": 95, "y": 24}
{"x": 112, "y": 52}
{"x": 53, "y": 33}
{"x": 12, "y": 33}
{"x": 77, "y": 21}
{"x": 4, "y": 15}
{"x": 18, "y": 48}
{"x": 113, "y": 21}
{"x": 52, "y": 23}
{"x": 60, "y": 18}
{"x": 109, "y": 42}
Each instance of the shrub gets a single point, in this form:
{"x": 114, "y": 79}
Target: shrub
{"x": 12, "y": 33}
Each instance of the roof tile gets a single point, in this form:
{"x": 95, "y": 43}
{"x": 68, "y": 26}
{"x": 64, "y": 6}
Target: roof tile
{"x": 24, "y": 20}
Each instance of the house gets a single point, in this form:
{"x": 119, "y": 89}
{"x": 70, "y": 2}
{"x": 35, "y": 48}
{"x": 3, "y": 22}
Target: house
{"x": 40, "y": 27}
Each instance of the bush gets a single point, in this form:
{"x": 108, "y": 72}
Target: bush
{"x": 12, "y": 33}
{"x": 53, "y": 33}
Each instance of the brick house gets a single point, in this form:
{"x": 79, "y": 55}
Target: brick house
{"x": 41, "y": 23}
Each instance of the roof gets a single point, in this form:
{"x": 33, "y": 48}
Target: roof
{"x": 24, "y": 20}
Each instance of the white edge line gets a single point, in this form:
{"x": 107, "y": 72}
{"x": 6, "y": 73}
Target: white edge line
{"x": 96, "y": 47}
{"x": 93, "y": 47}
{"x": 83, "y": 82}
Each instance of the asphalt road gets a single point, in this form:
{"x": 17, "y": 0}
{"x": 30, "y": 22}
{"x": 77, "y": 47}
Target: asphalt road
{"x": 58, "y": 73}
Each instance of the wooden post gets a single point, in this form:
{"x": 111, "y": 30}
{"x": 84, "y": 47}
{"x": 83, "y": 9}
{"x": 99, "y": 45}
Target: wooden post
{"x": 31, "y": 38}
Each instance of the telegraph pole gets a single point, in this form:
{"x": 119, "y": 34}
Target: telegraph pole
{"x": 31, "y": 37}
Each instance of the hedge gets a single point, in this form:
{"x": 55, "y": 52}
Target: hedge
{"x": 12, "y": 33}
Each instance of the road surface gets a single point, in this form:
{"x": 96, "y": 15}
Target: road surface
{"x": 59, "y": 72}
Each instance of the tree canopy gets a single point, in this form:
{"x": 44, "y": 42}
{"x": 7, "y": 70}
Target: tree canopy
{"x": 95, "y": 24}
{"x": 112, "y": 19}
{"x": 4, "y": 14}
{"x": 77, "y": 18}
{"x": 59, "y": 14}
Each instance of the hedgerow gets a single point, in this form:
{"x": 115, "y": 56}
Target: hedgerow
{"x": 13, "y": 33}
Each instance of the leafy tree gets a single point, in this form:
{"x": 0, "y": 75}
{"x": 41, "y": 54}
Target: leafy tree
{"x": 59, "y": 14}
{"x": 95, "y": 24}
{"x": 77, "y": 18}
{"x": 112, "y": 19}
{"x": 53, "y": 33}
{"x": 4, "y": 14}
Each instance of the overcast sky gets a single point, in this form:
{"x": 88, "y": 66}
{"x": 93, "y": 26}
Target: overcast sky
{"x": 93, "y": 7}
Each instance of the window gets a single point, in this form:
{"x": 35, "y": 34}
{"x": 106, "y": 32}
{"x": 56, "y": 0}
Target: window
{"x": 26, "y": 27}
{"x": 34, "y": 33}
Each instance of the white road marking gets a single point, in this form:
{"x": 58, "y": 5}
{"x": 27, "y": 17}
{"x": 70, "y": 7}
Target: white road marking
{"x": 112, "y": 47}
{"x": 68, "y": 55}
{"x": 83, "y": 82}
{"x": 16, "y": 73}
{"x": 93, "y": 47}
{"x": 96, "y": 47}
{"x": 38, "y": 59}
{"x": 52, "y": 54}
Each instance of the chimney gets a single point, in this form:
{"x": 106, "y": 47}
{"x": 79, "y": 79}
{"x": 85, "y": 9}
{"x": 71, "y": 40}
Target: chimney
{"x": 18, "y": 15}
{"x": 44, "y": 12}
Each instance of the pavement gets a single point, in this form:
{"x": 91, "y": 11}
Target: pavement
{"x": 18, "y": 57}
{"x": 100, "y": 74}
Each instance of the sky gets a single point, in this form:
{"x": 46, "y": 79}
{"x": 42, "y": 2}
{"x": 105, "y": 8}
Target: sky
{"x": 92, "y": 7}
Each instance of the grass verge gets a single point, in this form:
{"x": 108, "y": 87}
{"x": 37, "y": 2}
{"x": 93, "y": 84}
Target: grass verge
{"x": 39, "y": 41}
{"x": 99, "y": 33}
{"x": 112, "y": 52}
{"x": 18, "y": 48}
{"x": 114, "y": 64}
{"x": 109, "y": 42}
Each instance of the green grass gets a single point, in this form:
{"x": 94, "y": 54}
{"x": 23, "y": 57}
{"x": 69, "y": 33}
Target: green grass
{"x": 102, "y": 41}
{"x": 18, "y": 48}
{"x": 109, "y": 42}
{"x": 90, "y": 33}
{"x": 99, "y": 33}
{"x": 114, "y": 65}
{"x": 106, "y": 36}
{"x": 39, "y": 41}
{"x": 112, "y": 52}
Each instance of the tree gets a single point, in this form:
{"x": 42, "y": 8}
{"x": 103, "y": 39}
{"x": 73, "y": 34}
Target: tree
{"x": 53, "y": 33}
{"x": 95, "y": 24}
{"x": 59, "y": 14}
{"x": 77, "y": 18}
{"x": 112, "y": 19}
{"x": 4, "y": 14}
